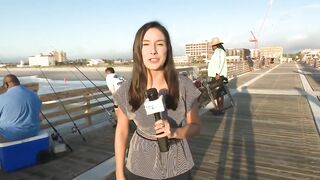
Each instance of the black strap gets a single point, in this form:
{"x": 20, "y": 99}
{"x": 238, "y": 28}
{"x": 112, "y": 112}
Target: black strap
{"x": 145, "y": 137}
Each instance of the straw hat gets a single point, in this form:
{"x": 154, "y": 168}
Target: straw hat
{"x": 215, "y": 41}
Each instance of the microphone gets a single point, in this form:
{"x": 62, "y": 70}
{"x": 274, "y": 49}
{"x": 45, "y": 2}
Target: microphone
{"x": 155, "y": 106}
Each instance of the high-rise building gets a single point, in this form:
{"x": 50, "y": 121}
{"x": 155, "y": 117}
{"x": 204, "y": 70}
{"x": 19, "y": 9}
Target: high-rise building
{"x": 59, "y": 56}
{"x": 197, "y": 51}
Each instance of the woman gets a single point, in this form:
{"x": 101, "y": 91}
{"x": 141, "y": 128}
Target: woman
{"x": 153, "y": 67}
{"x": 217, "y": 67}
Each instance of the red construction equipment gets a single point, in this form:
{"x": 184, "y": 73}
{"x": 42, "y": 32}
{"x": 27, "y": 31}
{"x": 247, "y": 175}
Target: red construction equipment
{"x": 255, "y": 40}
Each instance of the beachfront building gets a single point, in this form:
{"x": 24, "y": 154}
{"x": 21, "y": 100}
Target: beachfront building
{"x": 50, "y": 59}
{"x": 310, "y": 53}
{"x": 95, "y": 62}
{"x": 199, "y": 51}
{"x": 42, "y": 60}
{"x": 272, "y": 52}
{"x": 311, "y": 56}
{"x": 202, "y": 52}
{"x": 181, "y": 59}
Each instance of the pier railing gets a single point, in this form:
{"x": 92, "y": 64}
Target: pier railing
{"x": 32, "y": 86}
{"x": 83, "y": 104}
{"x": 234, "y": 68}
{"x": 80, "y": 104}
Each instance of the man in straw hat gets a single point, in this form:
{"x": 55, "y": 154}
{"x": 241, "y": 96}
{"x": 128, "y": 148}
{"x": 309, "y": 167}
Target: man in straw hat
{"x": 217, "y": 69}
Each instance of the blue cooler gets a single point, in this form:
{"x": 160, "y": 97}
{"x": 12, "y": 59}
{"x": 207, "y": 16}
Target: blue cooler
{"x": 15, "y": 155}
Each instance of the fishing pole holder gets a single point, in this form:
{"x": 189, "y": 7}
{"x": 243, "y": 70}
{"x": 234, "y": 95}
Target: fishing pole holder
{"x": 58, "y": 146}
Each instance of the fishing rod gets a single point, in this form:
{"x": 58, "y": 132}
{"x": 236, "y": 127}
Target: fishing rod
{"x": 93, "y": 84}
{"x": 7, "y": 69}
{"x": 58, "y": 135}
{"x": 5, "y": 66}
{"x": 99, "y": 73}
{"x": 74, "y": 124}
{"x": 109, "y": 117}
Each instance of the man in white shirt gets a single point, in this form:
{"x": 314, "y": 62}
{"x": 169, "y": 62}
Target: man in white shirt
{"x": 113, "y": 81}
{"x": 217, "y": 67}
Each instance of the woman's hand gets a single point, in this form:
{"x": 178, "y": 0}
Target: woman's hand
{"x": 190, "y": 129}
{"x": 163, "y": 129}
{"x": 122, "y": 177}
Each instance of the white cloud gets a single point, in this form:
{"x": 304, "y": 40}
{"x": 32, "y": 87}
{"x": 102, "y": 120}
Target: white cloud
{"x": 311, "y": 6}
{"x": 301, "y": 42}
{"x": 298, "y": 37}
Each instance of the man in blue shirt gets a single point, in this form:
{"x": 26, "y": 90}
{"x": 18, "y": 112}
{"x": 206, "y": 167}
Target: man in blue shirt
{"x": 19, "y": 111}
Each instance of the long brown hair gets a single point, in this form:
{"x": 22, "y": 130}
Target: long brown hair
{"x": 138, "y": 84}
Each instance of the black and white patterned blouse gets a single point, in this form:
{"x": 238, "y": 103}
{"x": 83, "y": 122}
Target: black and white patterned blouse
{"x": 144, "y": 157}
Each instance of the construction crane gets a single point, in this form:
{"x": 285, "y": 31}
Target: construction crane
{"x": 254, "y": 40}
{"x": 256, "y": 37}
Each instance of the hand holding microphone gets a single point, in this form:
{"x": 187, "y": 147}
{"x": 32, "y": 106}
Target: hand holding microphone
{"x": 163, "y": 129}
{"x": 154, "y": 105}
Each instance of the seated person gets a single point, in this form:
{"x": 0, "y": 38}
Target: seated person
{"x": 19, "y": 111}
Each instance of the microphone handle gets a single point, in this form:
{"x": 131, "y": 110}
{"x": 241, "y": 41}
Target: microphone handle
{"x": 162, "y": 142}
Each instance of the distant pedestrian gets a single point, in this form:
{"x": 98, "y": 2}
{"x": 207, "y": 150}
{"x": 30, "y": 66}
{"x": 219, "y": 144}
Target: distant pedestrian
{"x": 19, "y": 111}
{"x": 315, "y": 59}
{"x": 272, "y": 61}
{"x": 217, "y": 71}
{"x": 250, "y": 63}
{"x": 263, "y": 61}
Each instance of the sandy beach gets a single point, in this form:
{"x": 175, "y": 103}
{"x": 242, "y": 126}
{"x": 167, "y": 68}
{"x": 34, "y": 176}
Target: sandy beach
{"x": 70, "y": 73}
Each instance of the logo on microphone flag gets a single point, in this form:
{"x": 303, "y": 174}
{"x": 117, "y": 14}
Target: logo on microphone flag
{"x": 154, "y": 106}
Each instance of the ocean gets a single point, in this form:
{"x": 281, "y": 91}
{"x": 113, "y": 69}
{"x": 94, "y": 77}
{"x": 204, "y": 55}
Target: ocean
{"x": 58, "y": 85}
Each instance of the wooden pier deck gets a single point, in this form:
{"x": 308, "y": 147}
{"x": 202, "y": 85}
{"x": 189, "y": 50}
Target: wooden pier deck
{"x": 271, "y": 133}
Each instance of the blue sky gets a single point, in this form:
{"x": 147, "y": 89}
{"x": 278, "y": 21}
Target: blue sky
{"x": 106, "y": 29}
